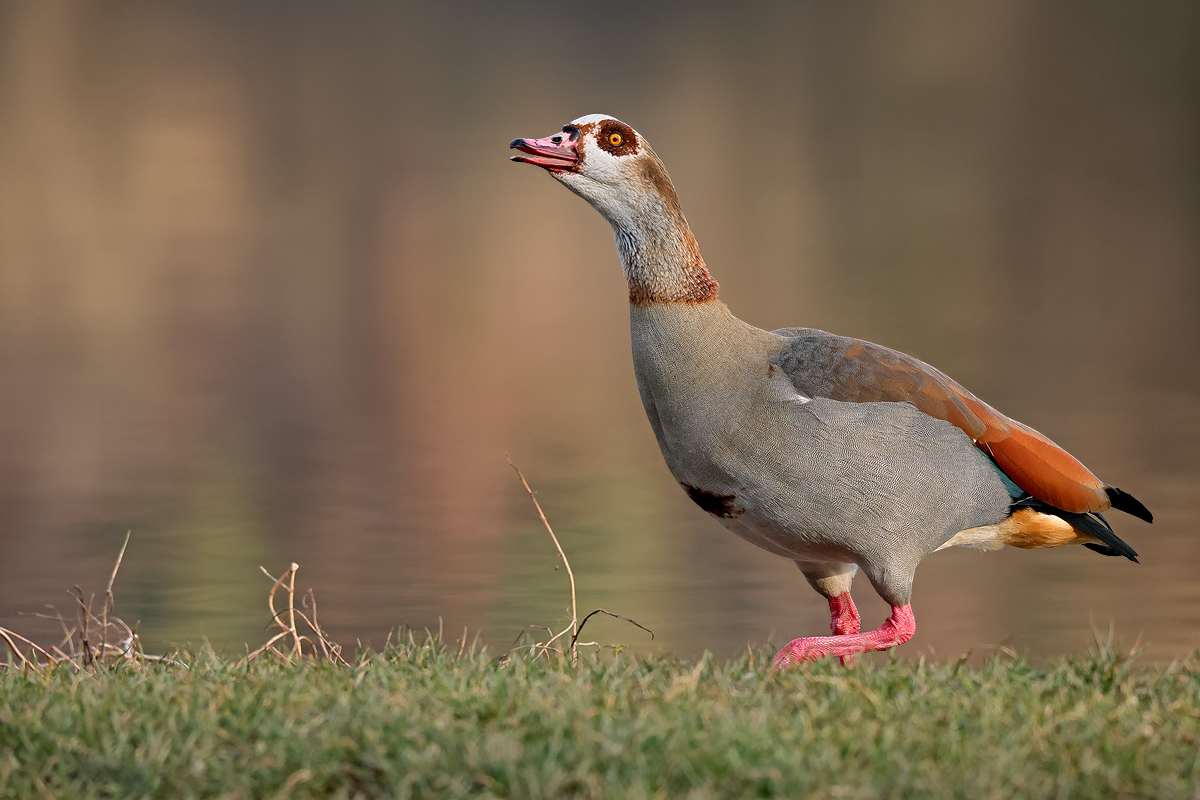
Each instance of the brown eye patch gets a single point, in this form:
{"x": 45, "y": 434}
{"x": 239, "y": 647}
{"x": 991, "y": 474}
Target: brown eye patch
{"x": 618, "y": 139}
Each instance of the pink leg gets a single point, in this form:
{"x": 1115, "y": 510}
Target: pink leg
{"x": 896, "y": 630}
{"x": 844, "y": 615}
{"x": 844, "y": 620}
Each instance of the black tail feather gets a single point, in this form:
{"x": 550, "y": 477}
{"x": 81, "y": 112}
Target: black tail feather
{"x": 1092, "y": 524}
{"x": 1123, "y": 501}
{"x": 1095, "y": 525}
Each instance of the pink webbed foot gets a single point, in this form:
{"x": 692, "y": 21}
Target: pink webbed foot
{"x": 897, "y": 630}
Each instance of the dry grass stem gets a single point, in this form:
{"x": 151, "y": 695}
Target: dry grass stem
{"x": 118, "y": 641}
{"x": 297, "y": 628}
{"x": 110, "y": 602}
{"x": 572, "y": 629}
{"x": 575, "y": 627}
{"x": 287, "y": 630}
{"x": 614, "y": 616}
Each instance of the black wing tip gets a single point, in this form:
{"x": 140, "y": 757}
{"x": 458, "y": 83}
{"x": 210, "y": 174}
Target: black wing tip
{"x": 1123, "y": 501}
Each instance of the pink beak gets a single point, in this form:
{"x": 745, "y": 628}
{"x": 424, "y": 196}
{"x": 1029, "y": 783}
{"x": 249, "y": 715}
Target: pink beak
{"x": 557, "y": 153}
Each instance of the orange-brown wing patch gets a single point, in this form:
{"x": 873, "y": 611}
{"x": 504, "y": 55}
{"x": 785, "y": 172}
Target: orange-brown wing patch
{"x": 840, "y": 368}
{"x": 1046, "y": 471}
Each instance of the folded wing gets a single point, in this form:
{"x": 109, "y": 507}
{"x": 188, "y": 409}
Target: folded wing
{"x": 821, "y": 364}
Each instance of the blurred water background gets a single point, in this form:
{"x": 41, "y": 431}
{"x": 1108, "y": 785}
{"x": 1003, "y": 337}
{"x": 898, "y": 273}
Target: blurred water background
{"x": 270, "y": 291}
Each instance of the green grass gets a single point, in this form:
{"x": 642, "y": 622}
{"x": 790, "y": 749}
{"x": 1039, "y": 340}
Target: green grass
{"x": 420, "y": 721}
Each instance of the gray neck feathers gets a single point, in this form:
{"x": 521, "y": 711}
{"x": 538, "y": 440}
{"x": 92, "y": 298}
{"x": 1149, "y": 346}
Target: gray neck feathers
{"x": 659, "y": 255}
{"x": 662, "y": 263}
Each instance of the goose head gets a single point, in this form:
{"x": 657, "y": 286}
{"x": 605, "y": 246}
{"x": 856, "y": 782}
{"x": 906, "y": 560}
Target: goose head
{"x": 610, "y": 165}
{"x": 607, "y": 163}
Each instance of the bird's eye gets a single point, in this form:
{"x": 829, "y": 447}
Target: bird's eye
{"x": 615, "y": 139}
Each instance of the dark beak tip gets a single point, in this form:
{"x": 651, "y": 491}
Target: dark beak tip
{"x": 515, "y": 143}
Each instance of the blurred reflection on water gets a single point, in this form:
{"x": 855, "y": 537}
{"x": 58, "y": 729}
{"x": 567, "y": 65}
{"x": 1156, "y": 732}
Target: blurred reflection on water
{"x": 270, "y": 291}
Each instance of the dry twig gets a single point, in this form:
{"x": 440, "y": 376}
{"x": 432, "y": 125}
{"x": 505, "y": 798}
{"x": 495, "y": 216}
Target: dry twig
{"x": 118, "y": 641}
{"x": 287, "y": 631}
{"x": 546, "y": 647}
{"x": 97, "y": 638}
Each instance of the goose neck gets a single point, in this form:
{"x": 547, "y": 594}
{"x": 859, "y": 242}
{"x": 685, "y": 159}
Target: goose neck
{"x": 661, "y": 260}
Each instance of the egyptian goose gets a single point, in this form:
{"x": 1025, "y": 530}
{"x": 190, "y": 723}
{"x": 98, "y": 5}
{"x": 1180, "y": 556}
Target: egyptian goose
{"x": 834, "y": 452}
